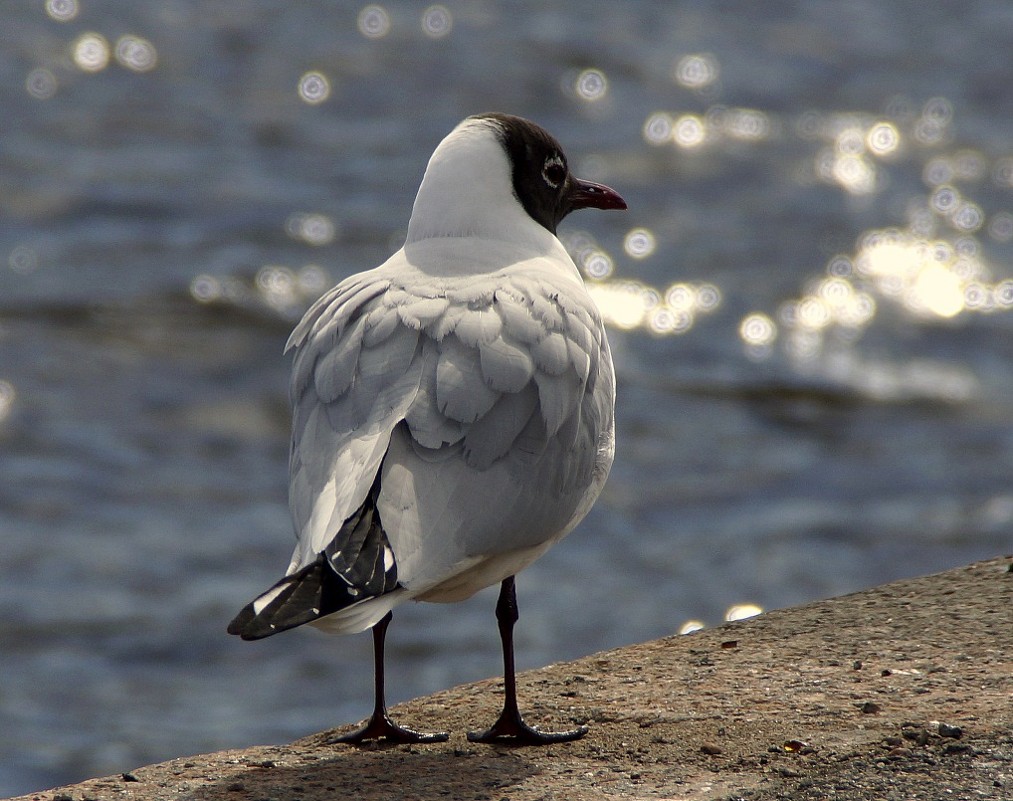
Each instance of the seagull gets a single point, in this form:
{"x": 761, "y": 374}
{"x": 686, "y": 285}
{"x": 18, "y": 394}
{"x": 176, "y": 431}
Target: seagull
{"x": 452, "y": 410}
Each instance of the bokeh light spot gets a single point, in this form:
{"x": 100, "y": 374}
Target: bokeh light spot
{"x": 937, "y": 171}
{"x": 437, "y": 22}
{"x": 314, "y": 88}
{"x": 850, "y": 142}
{"x": 41, "y": 83}
{"x": 945, "y": 199}
{"x": 598, "y": 264}
{"x": 882, "y": 139}
{"x": 967, "y": 217}
{"x": 969, "y": 165}
{"x": 62, "y": 10}
{"x": 1003, "y": 293}
{"x": 639, "y": 243}
{"x": 658, "y": 128}
{"x": 681, "y": 297}
{"x": 374, "y": 22}
{"x": 840, "y": 266}
{"x": 591, "y": 85}
{"x": 747, "y": 124}
{"x": 758, "y": 329}
{"x": 1000, "y": 227}
{"x": 708, "y": 297}
{"x": 135, "y": 53}
{"x": 315, "y": 229}
{"x": 90, "y": 52}
{"x": 855, "y": 174}
{"x": 1002, "y": 173}
{"x": 205, "y": 289}
{"x": 689, "y": 131}
{"x": 23, "y": 259}
{"x": 665, "y": 320}
{"x": 939, "y": 110}
{"x": 313, "y": 280}
{"x": 696, "y": 71}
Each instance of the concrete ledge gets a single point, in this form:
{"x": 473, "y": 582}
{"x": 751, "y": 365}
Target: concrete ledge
{"x": 900, "y": 692}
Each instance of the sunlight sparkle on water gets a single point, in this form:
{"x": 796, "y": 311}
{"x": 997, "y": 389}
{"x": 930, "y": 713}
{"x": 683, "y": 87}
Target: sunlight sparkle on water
{"x": 696, "y": 71}
{"x": 437, "y": 22}
{"x": 882, "y": 139}
{"x": 62, "y": 10}
{"x": 41, "y": 83}
{"x": 90, "y": 52}
{"x": 374, "y": 22}
{"x": 23, "y": 259}
{"x": 932, "y": 127}
{"x": 314, "y": 88}
{"x": 314, "y": 229}
{"x": 591, "y": 85}
{"x": 689, "y": 131}
{"x": 639, "y": 243}
{"x": 658, "y": 128}
{"x": 1000, "y": 227}
{"x": 621, "y": 304}
{"x": 745, "y": 124}
{"x": 1002, "y": 173}
{"x": 757, "y": 330}
{"x": 136, "y": 53}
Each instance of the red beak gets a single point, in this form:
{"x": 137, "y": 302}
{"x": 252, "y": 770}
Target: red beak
{"x": 589, "y": 195}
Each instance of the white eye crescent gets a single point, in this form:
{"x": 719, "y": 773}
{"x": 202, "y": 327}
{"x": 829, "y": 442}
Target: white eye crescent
{"x": 554, "y": 172}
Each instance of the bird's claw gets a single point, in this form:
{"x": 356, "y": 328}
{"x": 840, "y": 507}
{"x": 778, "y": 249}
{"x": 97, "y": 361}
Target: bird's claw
{"x": 383, "y": 728}
{"x": 510, "y": 729}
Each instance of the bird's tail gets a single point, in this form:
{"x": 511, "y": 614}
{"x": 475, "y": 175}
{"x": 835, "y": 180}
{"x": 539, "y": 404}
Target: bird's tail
{"x": 358, "y": 565}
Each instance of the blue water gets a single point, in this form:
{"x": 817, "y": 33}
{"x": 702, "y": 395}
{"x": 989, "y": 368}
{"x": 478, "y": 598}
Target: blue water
{"x": 810, "y": 300}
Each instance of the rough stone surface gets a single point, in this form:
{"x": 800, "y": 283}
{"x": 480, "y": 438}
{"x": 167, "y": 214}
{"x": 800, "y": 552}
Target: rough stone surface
{"x": 904, "y": 691}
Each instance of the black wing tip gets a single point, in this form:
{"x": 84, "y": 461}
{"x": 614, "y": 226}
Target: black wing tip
{"x": 352, "y": 569}
{"x": 248, "y": 625}
{"x": 240, "y": 621}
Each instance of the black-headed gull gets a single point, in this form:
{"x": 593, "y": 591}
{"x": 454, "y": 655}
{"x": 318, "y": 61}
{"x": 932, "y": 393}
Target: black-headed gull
{"x": 452, "y": 408}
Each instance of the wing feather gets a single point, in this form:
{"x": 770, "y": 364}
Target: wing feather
{"x": 422, "y": 313}
{"x": 506, "y": 366}
{"x": 557, "y": 397}
{"x": 515, "y": 311}
{"x": 381, "y": 322}
{"x": 461, "y": 392}
{"x": 551, "y": 354}
{"x": 335, "y": 368}
{"x": 479, "y": 326}
{"x": 494, "y": 433}
{"x": 430, "y": 427}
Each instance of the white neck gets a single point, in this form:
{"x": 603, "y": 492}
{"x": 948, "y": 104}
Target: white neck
{"x": 467, "y": 191}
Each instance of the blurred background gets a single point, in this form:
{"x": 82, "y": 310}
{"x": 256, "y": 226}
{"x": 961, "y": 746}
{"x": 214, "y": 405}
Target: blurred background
{"x": 809, "y": 303}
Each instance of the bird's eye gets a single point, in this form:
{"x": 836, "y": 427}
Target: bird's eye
{"x": 554, "y": 172}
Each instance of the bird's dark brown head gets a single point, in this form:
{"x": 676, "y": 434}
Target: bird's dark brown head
{"x": 542, "y": 179}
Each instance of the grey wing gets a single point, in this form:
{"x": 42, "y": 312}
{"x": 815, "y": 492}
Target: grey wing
{"x": 356, "y": 371}
{"x": 509, "y": 439}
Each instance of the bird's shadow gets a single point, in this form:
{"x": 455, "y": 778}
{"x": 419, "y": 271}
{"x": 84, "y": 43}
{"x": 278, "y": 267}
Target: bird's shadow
{"x": 463, "y": 773}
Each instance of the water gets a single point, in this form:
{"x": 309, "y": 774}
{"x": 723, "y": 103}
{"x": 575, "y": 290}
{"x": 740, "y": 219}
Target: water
{"x": 810, "y": 307}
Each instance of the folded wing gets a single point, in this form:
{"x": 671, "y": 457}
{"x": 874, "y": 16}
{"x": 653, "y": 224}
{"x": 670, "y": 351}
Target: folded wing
{"x": 425, "y": 418}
